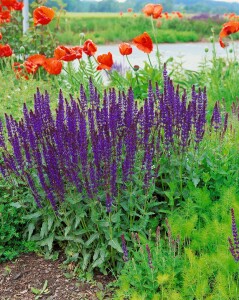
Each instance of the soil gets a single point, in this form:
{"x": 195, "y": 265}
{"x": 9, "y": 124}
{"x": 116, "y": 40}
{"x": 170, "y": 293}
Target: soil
{"x": 17, "y": 278}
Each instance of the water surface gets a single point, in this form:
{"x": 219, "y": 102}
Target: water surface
{"x": 190, "y": 54}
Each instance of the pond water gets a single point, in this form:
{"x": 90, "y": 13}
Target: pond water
{"x": 190, "y": 54}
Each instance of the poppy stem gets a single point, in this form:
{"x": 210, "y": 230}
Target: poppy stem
{"x": 129, "y": 62}
{"x": 155, "y": 38}
{"x": 150, "y": 61}
{"x": 72, "y": 76}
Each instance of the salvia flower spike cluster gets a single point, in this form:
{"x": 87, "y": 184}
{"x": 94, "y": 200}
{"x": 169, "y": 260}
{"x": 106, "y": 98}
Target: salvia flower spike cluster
{"x": 97, "y": 145}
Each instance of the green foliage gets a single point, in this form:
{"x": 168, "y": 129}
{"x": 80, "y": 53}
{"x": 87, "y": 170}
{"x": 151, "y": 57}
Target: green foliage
{"x": 12, "y": 223}
{"x": 89, "y": 236}
{"x": 112, "y": 28}
{"x": 199, "y": 267}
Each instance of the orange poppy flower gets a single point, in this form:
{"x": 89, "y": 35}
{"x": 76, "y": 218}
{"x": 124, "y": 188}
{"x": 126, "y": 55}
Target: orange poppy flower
{"x": 166, "y": 15}
{"x": 43, "y": 15}
{"x": 154, "y": 10}
{"x": 144, "y": 42}
{"x": 228, "y": 28}
{"x": 148, "y": 9}
{"x": 179, "y": 14}
{"x": 89, "y": 48}
{"x": 231, "y": 15}
{"x": 67, "y": 53}
{"x": 125, "y": 49}
{"x": 129, "y": 10}
{"x": 105, "y": 61}
{"x": 121, "y": 13}
{"x": 37, "y": 59}
{"x": 0, "y": 35}
{"x": 5, "y": 50}
{"x": 157, "y": 13}
{"x": 52, "y": 66}
{"x": 78, "y": 51}
{"x": 64, "y": 53}
{"x": 30, "y": 67}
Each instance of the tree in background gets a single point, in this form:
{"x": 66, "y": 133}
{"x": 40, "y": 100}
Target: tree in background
{"x": 190, "y": 6}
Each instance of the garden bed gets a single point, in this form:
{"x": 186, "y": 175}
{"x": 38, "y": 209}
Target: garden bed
{"x": 17, "y": 278}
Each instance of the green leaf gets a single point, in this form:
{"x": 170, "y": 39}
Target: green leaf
{"x": 35, "y": 291}
{"x": 47, "y": 242}
{"x": 45, "y": 285}
{"x": 50, "y": 222}
{"x": 91, "y": 239}
{"x": 33, "y": 216}
{"x": 16, "y": 204}
{"x": 31, "y": 227}
{"x": 196, "y": 181}
{"x": 86, "y": 258}
{"x": 115, "y": 244}
{"x": 44, "y": 230}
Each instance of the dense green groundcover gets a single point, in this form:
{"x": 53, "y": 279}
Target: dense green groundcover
{"x": 165, "y": 234}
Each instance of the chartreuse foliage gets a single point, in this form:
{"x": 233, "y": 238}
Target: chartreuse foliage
{"x": 192, "y": 259}
{"x": 196, "y": 266}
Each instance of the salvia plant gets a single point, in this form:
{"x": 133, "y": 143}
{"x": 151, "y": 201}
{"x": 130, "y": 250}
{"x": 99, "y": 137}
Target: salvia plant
{"x": 94, "y": 144}
{"x": 102, "y": 153}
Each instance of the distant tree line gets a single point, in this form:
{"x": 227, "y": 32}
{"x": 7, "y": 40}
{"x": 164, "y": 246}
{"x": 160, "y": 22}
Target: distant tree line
{"x": 185, "y": 6}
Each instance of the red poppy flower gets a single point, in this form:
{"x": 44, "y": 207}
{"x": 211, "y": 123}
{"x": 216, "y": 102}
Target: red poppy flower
{"x": 8, "y": 3}
{"x": 17, "y": 6}
{"x": 37, "y": 59}
{"x": 5, "y": 16}
{"x": 143, "y": 42}
{"x": 30, "y": 67}
{"x": 64, "y": 53}
{"x": 121, "y": 13}
{"x": 154, "y": 10}
{"x": 43, "y": 15}
{"x": 129, "y": 10}
{"x": 228, "y": 28}
{"x": 105, "y": 61}
{"x": 5, "y": 50}
{"x": 78, "y": 51}
{"x": 125, "y": 49}
{"x": 52, "y": 66}
{"x": 89, "y": 48}
{"x": 0, "y": 35}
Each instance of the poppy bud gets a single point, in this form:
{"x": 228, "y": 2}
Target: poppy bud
{"x": 206, "y": 50}
{"x": 82, "y": 35}
{"x": 22, "y": 50}
{"x": 136, "y": 67}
